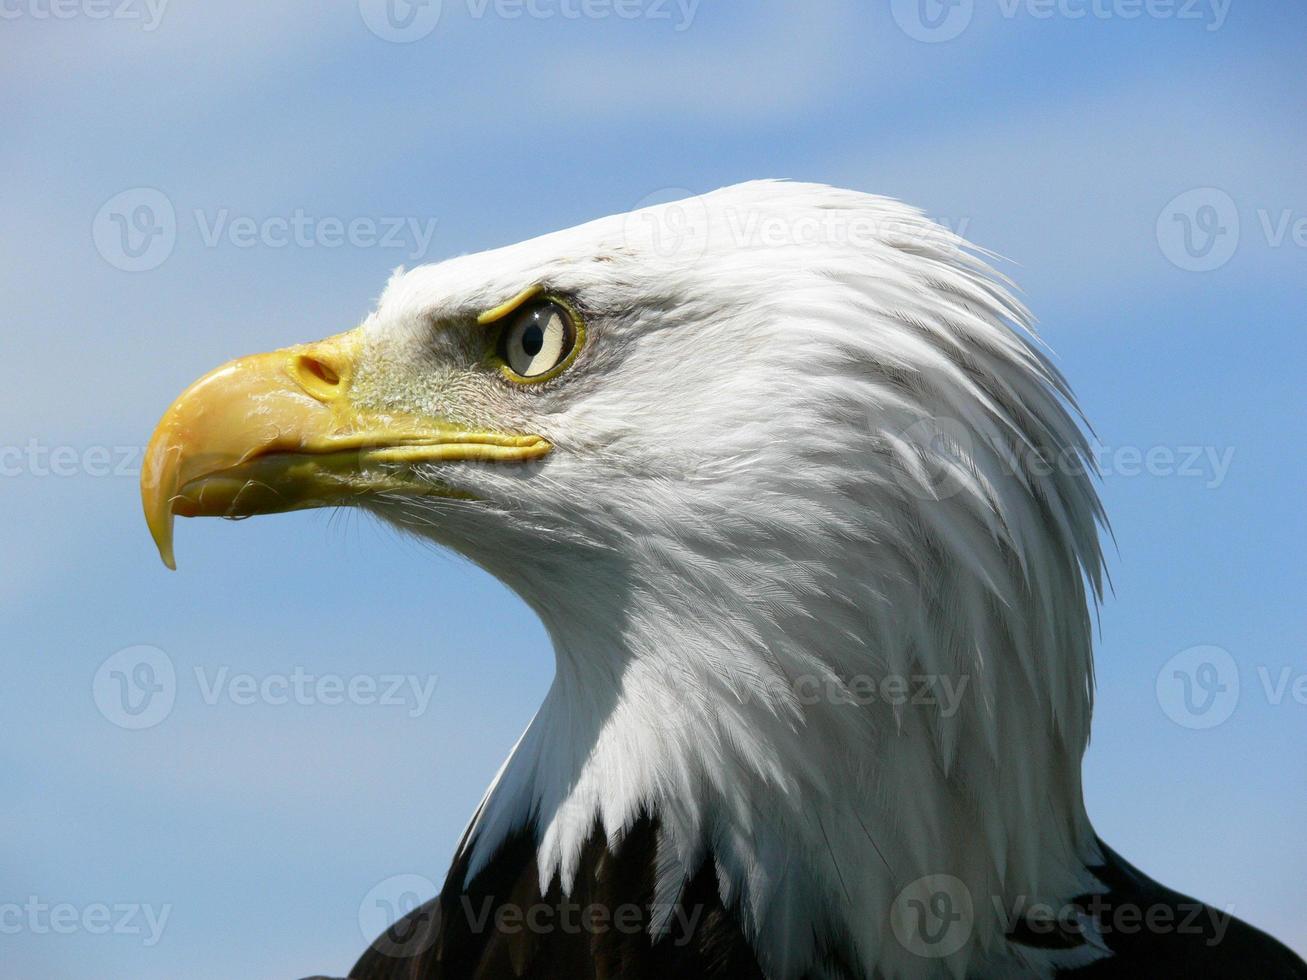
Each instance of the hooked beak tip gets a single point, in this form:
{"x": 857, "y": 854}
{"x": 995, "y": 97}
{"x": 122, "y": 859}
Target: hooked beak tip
{"x": 162, "y": 534}
{"x": 158, "y": 484}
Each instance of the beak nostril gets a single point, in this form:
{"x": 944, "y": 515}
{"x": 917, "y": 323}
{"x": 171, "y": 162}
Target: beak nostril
{"x": 319, "y": 370}
{"x": 317, "y": 377}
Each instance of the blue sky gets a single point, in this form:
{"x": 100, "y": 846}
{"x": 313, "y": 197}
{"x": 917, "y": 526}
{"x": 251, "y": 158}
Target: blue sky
{"x": 251, "y": 834}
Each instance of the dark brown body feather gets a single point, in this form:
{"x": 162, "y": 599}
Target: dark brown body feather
{"x": 1191, "y": 940}
{"x": 501, "y": 926}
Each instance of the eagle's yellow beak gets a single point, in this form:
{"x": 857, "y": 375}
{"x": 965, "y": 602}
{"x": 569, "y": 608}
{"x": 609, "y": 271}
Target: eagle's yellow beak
{"x": 277, "y": 432}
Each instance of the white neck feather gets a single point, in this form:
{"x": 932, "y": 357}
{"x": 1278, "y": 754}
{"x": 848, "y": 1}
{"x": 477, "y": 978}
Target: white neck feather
{"x": 824, "y": 755}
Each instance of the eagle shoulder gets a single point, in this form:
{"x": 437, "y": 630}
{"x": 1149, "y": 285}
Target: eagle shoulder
{"x": 1153, "y": 931}
{"x": 499, "y": 924}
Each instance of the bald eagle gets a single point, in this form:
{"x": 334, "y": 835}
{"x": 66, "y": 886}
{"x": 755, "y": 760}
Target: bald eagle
{"x": 808, "y": 515}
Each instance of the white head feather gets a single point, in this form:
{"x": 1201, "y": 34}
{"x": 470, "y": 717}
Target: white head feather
{"x": 810, "y": 452}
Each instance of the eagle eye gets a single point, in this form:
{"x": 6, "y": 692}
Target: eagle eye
{"x": 538, "y": 340}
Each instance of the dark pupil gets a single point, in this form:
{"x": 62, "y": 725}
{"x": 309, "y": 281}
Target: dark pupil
{"x": 533, "y": 338}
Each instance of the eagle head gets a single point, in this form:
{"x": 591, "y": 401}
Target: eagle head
{"x": 749, "y": 456}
